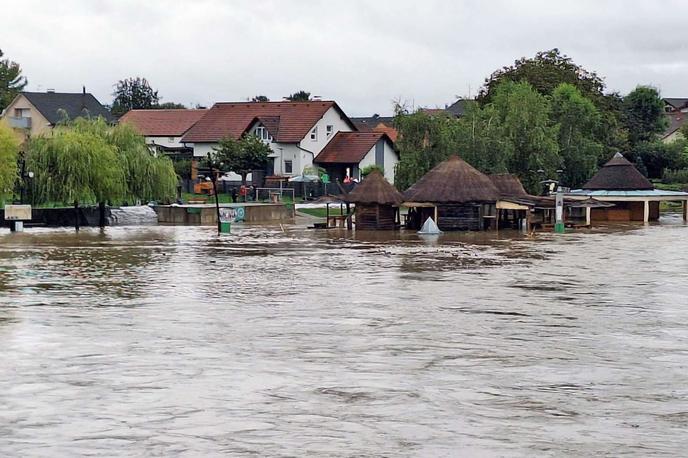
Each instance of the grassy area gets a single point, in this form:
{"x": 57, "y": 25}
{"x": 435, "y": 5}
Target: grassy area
{"x": 320, "y": 212}
{"x": 671, "y": 186}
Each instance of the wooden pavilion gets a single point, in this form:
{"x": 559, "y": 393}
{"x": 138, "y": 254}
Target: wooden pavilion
{"x": 634, "y": 197}
{"x": 455, "y": 195}
{"x": 377, "y": 203}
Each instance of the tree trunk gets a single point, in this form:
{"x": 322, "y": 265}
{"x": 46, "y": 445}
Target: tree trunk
{"x": 76, "y": 215}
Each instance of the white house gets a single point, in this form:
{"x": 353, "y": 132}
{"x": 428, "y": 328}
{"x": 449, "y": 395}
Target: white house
{"x": 296, "y": 131}
{"x": 350, "y": 152}
{"x": 163, "y": 129}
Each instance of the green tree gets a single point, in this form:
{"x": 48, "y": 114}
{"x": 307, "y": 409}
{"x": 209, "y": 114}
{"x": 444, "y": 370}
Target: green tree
{"x": 241, "y": 156}
{"x": 9, "y": 150}
{"x": 423, "y": 142}
{"x": 131, "y": 94}
{"x": 643, "y": 114}
{"x": 544, "y": 72}
{"x": 262, "y": 98}
{"x": 169, "y": 106}
{"x": 578, "y": 120}
{"x": 299, "y": 96}
{"x": 482, "y": 142}
{"x": 529, "y": 138}
{"x": 11, "y": 81}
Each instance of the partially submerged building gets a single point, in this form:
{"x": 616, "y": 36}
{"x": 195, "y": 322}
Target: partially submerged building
{"x": 377, "y": 203}
{"x": 634, "y": 197}
{"x": 455, "y": 195}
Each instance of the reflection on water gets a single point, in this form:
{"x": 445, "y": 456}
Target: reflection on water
{"x": 174, "y": 341}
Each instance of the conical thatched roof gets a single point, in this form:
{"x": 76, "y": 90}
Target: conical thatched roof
{"x": 453, "y": 181}
{"x": 508, "y": 185}
{"x": 375, "y": 189}
{"x": 618, "y": 175}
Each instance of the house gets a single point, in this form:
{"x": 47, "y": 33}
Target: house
{"x": 458, "y": 108}
{"x": 296, "y": 131}
{"x": 634, "y": 197}
{"x": 349, "y": 152}
{"x": 35, "y": 113}
{"x": 377, "y": 123}
{"x": 455, "y": 195}
{"x": 676, "y": 111}
{"x": 164, "y": 129}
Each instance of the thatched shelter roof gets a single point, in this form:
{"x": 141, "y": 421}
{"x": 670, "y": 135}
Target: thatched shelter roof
{"x": 375, "y": 189}
{"x": 453, "y": 181}
{"x": 618, "y": 175}
{"x": 508, "y": 185}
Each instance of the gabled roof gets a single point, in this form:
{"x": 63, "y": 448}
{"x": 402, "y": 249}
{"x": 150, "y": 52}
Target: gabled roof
{"x": 375, "y": 189}
{"x": 162, "y": 123}
{"x": 677, "y": 102}
{"x": 618, "y": 175}
{"x": 74, "y": 105}
{"x": 676, "y": 121}
{"x": 453, "y": 181}
{"x": 349, "y": 147}
{"x": 271, "y": 123}
{"x": 458, "y": 108}
{"x": 232, "y": 119}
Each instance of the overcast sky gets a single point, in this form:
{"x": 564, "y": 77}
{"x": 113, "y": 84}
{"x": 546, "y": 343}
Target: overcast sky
{"x": 363, "y": 54}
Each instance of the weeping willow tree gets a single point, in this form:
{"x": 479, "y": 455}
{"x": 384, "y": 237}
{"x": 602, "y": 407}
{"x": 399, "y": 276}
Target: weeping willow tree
{"x": 9, "y": 148}
{"x": 88, "y": 161}
{"x": 75, "y": 166}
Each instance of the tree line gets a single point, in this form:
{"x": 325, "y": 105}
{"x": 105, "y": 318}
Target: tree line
{"x": 541, "y": 118}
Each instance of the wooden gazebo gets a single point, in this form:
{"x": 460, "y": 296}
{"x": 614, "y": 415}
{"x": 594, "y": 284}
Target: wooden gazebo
{"x": 377, "y": 203}
{"x": 455, "y": 195}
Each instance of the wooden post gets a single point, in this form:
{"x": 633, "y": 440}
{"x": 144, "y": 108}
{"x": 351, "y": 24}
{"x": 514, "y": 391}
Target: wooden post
{"x": 646, "y": 211}
{"x": 76, "y": 215}
{"x": 327, "y": 214}
{"x": 101, "y": 215}
{"x": 436, "y": 215}
{"x": 685, "y": 210}
{"x": 588, "y": 216}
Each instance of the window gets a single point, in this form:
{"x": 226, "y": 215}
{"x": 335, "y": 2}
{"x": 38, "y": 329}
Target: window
{"x": 288, "y": 166}
{"x": 22, "y": 113}
{"x": 262, "y": 133}
{"x": 314, "y": 135}
{"x": 329, "y": 129}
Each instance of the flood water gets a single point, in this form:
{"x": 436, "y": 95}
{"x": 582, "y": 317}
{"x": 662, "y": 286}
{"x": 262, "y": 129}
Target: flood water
{"x": 172, "y": 341}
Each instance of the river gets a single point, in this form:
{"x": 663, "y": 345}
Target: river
{"x": 173, "y": 341}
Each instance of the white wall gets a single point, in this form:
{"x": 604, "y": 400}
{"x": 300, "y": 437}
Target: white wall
{"x": 167, "y": 142}
{"x": 391, "y": 160}
{"x": 331, "y": 117}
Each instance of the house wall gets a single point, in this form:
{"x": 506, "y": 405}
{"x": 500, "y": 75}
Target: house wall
{"x": 39, "y": 124}
{"x": 391, "y": 158}
{"x": 331, "y": 117}
{"x": 167, "y": 142}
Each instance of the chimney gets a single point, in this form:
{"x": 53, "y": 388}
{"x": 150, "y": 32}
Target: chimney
{"x": 50, "y": 90}
{"x": 84, "y": 90}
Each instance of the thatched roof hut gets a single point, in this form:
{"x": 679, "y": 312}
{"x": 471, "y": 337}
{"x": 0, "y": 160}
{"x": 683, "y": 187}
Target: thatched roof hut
{"x": 508, "y": 185}
{"x": 375, "y": 200}
{"x": 375, "y": 189}
{"x": 453, "y": 181}
{"x": 618, "y": 175}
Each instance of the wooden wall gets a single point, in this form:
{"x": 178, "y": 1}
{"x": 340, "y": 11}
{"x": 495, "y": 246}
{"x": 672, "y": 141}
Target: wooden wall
{"x": 459, "y": 217}
{"x": 375, "y": 217}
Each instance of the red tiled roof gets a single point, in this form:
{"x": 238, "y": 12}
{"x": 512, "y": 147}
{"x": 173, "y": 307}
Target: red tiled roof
{"x": 391, "y": 132}
{"x": 348, "y": 147}
{"x": 232, "y": 119}
{"x": 162, "y": 123}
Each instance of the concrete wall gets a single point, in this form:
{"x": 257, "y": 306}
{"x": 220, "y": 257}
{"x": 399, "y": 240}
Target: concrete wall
{"x": 205, "y": 215}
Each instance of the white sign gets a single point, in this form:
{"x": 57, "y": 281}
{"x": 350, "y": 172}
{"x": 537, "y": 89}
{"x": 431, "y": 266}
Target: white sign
{"x": 18, "y": 212}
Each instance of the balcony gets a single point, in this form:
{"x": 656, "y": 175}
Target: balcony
{"x": 19, "y": 123}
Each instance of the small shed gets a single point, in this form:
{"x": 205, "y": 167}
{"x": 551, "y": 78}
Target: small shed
{"x": 377, "y": 203}
{"x": 634, "y": 197}
{"x": 456, "y": 195}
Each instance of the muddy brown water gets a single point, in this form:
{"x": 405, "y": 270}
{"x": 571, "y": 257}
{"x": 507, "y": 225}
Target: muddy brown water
{"x": 172, "y": 341}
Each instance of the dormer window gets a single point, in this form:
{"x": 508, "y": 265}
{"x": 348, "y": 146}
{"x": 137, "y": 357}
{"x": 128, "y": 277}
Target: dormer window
{"x": 314, "y": 134}
{"x": 329, "y": 130}
{"x": 262, "y": 133}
